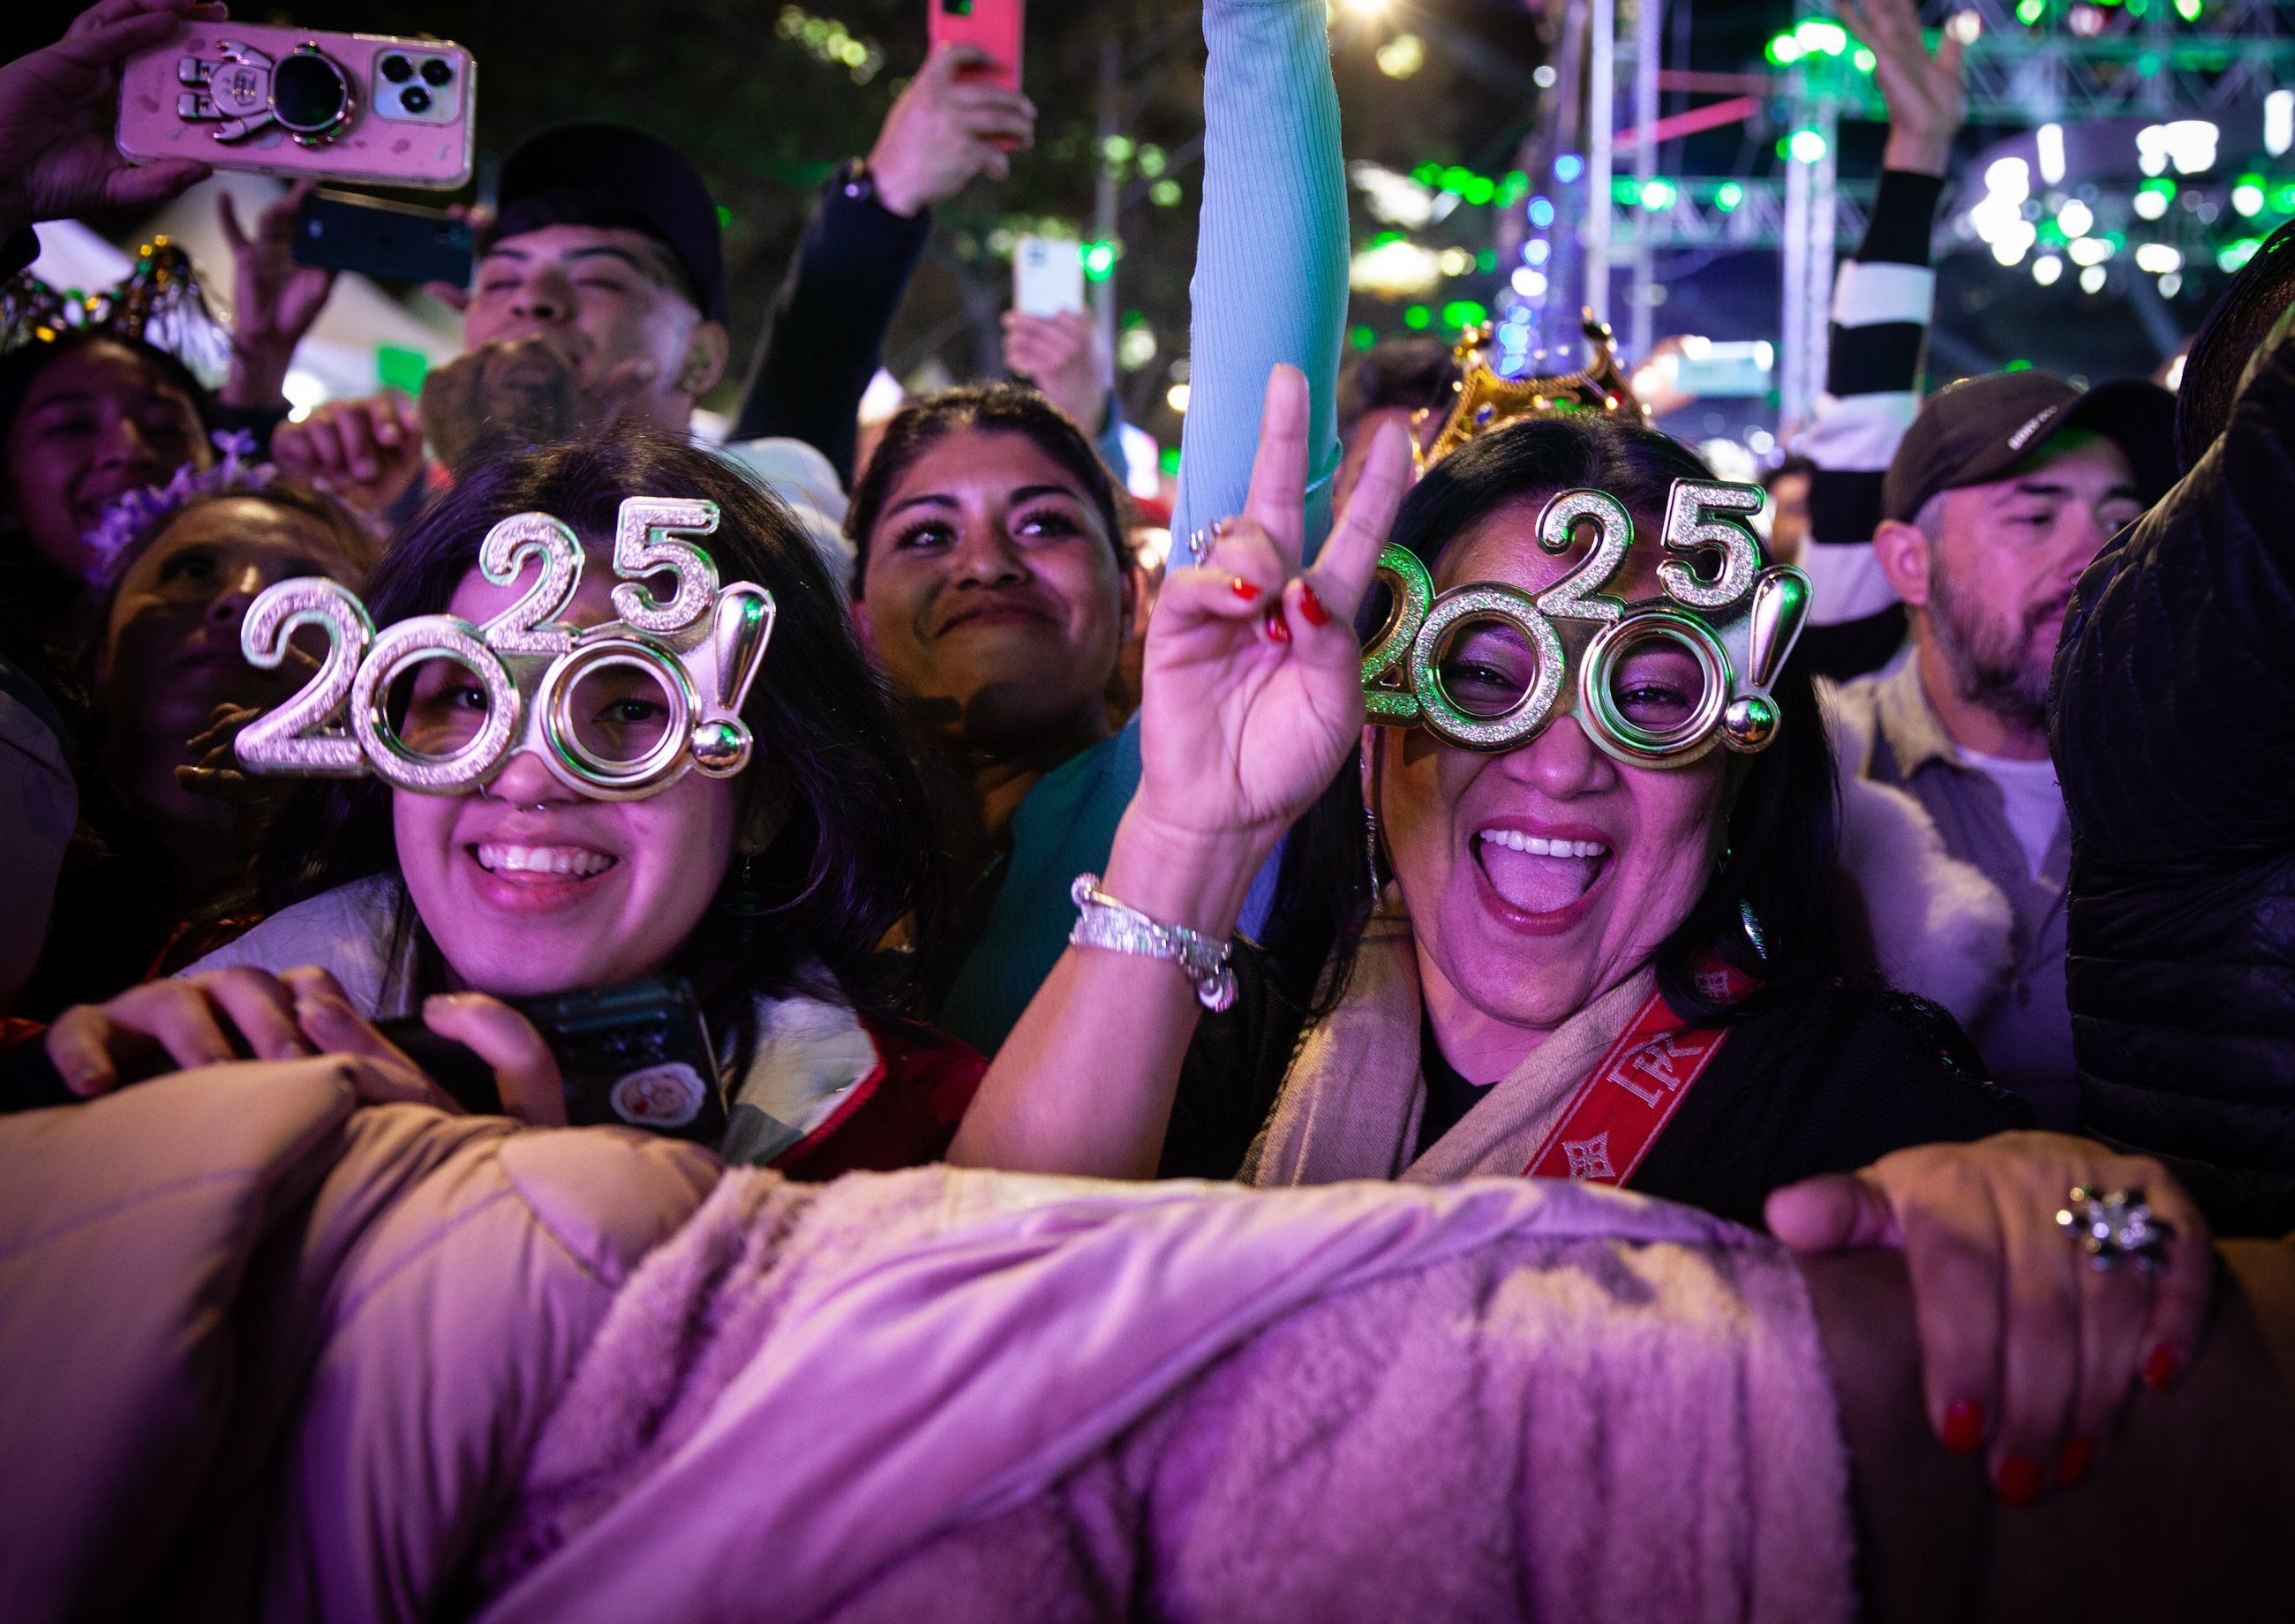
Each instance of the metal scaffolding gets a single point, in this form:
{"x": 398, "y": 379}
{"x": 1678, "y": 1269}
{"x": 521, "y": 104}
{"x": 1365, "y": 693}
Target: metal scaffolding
{"x": 2077, "y": 63}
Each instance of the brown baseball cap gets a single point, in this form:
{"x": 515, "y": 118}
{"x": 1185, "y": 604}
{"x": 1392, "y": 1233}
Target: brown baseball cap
{"x": 1976, "y": 430}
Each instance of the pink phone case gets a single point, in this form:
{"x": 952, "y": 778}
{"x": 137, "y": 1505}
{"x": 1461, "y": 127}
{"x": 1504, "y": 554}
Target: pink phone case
{"x": 995, "y": 25}
{"x": 292, "y": 101}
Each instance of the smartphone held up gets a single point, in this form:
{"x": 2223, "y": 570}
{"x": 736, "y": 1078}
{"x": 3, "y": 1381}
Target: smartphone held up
{"x": 388, "y": 242}
{"x": 293, "y": 103}
{"x": 994, "y": 25}
{"x": 1048, "y": 276}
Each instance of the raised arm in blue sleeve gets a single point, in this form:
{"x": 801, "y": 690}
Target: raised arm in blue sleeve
{"x": 1270, "y": 283}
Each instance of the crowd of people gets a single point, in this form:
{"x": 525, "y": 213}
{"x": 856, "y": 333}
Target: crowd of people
{"x": 1893, "y": 874}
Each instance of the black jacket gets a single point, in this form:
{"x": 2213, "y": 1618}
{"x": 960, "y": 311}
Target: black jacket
{"x": 2173, "y": 736}
{"x": 825, "y": 336}
{"x": 1824, "y": 1082}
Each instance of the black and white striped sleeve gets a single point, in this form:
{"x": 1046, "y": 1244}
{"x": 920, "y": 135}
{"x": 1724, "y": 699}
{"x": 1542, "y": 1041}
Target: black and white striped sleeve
{"x": 1881, "y": 308}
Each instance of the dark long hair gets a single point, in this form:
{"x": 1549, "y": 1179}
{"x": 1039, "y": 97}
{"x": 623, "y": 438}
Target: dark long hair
{"x": 850, "y": 859}
{"x": 2234, "y": 329}
{"x": 1784, "y": 821}
{"x": 991, "y": 408}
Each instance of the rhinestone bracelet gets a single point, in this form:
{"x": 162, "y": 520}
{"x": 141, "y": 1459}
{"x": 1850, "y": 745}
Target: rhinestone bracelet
{"x": 1103, "y": 922}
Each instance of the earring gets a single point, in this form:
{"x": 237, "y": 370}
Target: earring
{"x": 1370, "y": 820}
{"x": 744, "y": 894}
{"x": 1754, "y": 933}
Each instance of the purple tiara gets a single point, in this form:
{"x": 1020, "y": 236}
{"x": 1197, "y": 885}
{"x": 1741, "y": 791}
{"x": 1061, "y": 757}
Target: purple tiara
{"x": 135, "y": 515}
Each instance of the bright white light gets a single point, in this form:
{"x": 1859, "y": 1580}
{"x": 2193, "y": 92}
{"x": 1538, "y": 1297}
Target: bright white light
{"x": 2189, "y": 143}
{"x": 2158, "y": 258}
{"x": 1536, "y": 250}
{"x": 2009, "y": 178}
{"x": 1455, "y": 262}
{"x": 2000, "y": 214}
{"x": 2247, "y": 200}
{"x": 2279, "y": 122}
{"x": 1399, "y": 269}
{"x": 1367, "y": 8}
{"x": 2175, "y": 378}
{"x": 1764, "y": 355}
{"x": 2151, "y": 205}
{"x": 2076, "y": 218}
{"x": 1966, "y": 27}
{"x": 304, "y": 390}
{"x": 1393, "y": 198}
{"x": 1761, "y": 442}
{"x": 1543, "y": 75}
{"x": 1135, "y": 348}
{"x": 1401, "y": 57}
{"x": 1176, "y": 397}
{"x": 1530, "y": 283}
{"x": 1806, "y": 146}
{"x": 2046, "y": 270}
{"x": 882, "y": 398}
{"x": 2092, "y": 280}
{"x": 1697, "y": 345}
{"x": 2050, "y": 138}
{"x": 2171, "y": 284}
{"x": 2011, "y": 251}
{"x": 2089, "y": 250}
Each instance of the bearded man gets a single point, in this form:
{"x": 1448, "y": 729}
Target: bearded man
{"x": 2003, "y": 491}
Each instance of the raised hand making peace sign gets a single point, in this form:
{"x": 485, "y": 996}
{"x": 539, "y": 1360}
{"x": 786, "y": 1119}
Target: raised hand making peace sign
{"x": 1252, "y": 682}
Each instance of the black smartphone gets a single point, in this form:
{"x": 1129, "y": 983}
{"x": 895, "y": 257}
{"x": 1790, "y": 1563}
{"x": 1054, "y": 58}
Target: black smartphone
{"x": 389, "y": 241}
{"x": 637, "y": 1054}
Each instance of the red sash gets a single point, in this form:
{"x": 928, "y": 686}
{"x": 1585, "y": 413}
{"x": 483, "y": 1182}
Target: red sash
{"x": 1619, "y": 1110}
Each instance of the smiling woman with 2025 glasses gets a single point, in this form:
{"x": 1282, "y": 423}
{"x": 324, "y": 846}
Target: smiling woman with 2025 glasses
{"x": 1603, "y": 946}
{"x": 768, "y": 882}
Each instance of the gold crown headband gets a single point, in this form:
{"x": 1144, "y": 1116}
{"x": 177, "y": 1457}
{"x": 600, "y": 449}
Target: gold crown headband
{"x": 161, "y": 302}
{"x": 1487, "y": 401}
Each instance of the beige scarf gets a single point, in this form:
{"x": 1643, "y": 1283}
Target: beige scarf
{"x": 1350, "y": 1103}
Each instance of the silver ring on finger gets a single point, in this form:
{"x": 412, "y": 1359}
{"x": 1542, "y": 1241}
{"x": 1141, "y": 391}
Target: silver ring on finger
{"x": 1202, "y": 539}
{"x": 2109, "y": 1226}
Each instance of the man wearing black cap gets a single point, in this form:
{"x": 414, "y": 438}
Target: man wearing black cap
{"x": 600, "y": 296}
{"x": 2003, "y": 489}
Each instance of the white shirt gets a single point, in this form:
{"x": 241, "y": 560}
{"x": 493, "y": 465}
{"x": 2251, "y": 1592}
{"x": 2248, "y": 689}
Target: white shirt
{"x": 2032, "y": 797}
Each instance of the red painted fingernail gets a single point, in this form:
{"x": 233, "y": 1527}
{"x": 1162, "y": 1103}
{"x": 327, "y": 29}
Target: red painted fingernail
{"x": 1243, "y": 589}
{"x": 2072, "y": 1465}
{"x": 2160, "y": 1367}
{"x": 2019, "y": 1480}
{"x": 1964, "y": 1426}
{"x": 1311, "y": 607}
{"x": 1278, "y": 628}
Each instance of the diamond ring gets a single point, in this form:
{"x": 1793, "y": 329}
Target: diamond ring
{"x": 2109, "y": 1224}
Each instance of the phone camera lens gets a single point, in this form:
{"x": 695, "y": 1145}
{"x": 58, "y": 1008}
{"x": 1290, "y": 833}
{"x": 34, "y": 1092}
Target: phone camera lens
{"x": 397, "y": 69}
{"x": 414, "y": 98}
{"x": 437, "y": 70}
